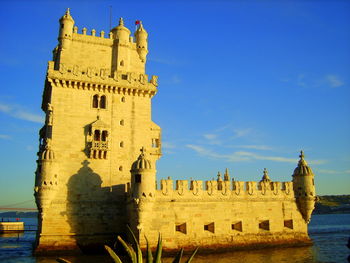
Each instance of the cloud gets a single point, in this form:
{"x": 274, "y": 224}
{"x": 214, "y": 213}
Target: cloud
{"x": 325, "y": 171}
{"x": 334, "y": 81}
{"x": 210, "y": 136}
{"x": 301, "y": 80}
{"x": 236, "y": 156}
{"x": 5, "y": 137}
{"x": 242, "y": 156}
{"x": 18, "y": 112}
{"x": 255, "y": 147}
{"x": 168, "y": 145}
{"x": 241, "y": 132}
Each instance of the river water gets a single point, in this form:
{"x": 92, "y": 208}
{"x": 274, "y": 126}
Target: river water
{"x": 330, "y": 234}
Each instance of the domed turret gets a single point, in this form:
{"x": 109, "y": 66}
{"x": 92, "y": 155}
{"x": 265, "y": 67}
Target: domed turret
{"x": 141, "y": 42}
{"x": 142, "y": 177}
{"x": 266, "y": 177}
{"x": 66, "y": 29}
{"x": 304, "y": 188}
{"x": 121, "y": 32}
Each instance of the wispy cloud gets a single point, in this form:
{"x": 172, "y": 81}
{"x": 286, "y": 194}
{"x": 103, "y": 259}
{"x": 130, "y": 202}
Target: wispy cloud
{"x": 241, "y": 156}
{"x": 255, "y": 147}
{"x": 165, "y": 61}
{"x": 325, "y": 171}
{"x": 5, "y": 137}
{"x": 210, "y": 136}
{"x": 238, "y": 133}
{"x": 168, "y": 145}
{"x": 334, "y": 81}
{"x": 18, "y": 112}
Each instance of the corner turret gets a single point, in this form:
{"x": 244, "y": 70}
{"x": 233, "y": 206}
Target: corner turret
{"x": 304, "y": 188}
{"x": 120, "y": 32}
{"x": 143, "y": 177}
{"x": 141, "y": 42}
{"x": 66, "y": 30}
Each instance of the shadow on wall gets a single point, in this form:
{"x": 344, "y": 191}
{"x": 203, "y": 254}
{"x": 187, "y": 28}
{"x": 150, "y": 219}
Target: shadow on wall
{"x": 96, "y": 214}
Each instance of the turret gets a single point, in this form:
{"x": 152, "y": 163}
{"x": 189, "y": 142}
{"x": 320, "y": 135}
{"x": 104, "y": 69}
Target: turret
{"x": 46, "y": 176}
{"x": 66, "y": 30}
{"x": 120, "y": 32}
{"x": 304, "y": 188}
{"x": 143, "y": 176}
{"x": 141, "y": 42}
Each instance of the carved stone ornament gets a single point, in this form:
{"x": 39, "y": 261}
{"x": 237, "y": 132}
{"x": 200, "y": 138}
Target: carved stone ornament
{"x": 154, "y": 80}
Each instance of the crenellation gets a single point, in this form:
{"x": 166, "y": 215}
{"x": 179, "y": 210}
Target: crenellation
{"x": 84, "y": 30}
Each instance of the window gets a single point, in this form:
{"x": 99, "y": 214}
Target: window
{"x": 155, "y": 143}
{"x": 97, "y": 135}
{"x": 99, "y": 102}
{"x": 181, "y": 228}
{"x": 137, "y": 178}
{"x": 264, "y": 225}
{"x": 95, "y": 101}
{"x": 209, "y": 227}
{"x": 104, "y": 136}
{"x": 237, "y": 226}
{"x": 288, "y": 224}
{"x": 103, "y": 102}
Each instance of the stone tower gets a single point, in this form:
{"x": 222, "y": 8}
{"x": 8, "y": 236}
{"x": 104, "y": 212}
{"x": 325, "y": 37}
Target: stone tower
{"x": 97, "y": 100}
{"x": 304, "y": 188}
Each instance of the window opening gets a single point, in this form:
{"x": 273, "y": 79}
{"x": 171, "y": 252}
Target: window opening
{"x": 137, "y": 178}
{"x": 264, "y": 225}
{"x": 237, "y": 226}
{"x": 97, "y": 135}
{"x": 104, "y": 136}
{"x": 210, "y": 227}
{"x": 181, "y": 228}
{"x": 103, "y": 102}
{"x": 95, "y": 101}
{"x": 288, "y": 224}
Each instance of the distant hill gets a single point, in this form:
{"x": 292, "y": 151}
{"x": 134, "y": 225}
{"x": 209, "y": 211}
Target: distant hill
{"x": 18, "y": 214}
{"x": 332, "y": 204}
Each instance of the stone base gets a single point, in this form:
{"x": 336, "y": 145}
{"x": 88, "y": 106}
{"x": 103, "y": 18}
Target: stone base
{"x": 73, "y": 244}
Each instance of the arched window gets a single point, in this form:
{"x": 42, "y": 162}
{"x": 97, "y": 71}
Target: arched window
{"x": 95, "y": 101}
{"x": 104, "y": 136}
{"x": 97, "y": 135}
{"x": 103, "y": 102}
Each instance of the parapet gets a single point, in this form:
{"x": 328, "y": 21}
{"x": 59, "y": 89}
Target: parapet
{"x": 225, "y": 189}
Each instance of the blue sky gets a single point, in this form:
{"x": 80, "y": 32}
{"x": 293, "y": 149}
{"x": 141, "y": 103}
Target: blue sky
{"x": 242, "y": 84}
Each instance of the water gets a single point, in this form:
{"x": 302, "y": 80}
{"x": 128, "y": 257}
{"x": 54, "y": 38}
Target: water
{"x": 330, "y": 234}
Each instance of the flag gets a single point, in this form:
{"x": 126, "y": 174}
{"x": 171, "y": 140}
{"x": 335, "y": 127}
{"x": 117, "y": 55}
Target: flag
{"x": 137, "y": 22}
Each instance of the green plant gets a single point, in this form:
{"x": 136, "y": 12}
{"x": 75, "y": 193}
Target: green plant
{"x": 136, "y": 256}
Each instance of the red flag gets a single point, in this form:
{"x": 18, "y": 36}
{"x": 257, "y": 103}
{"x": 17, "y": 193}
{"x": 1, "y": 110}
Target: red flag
{"x": 137, "y": 22}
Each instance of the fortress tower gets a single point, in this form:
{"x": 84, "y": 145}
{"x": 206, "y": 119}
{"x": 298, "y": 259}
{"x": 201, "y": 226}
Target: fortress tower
{"x": 97, "y": 99}
{"x": 91, "y": 179}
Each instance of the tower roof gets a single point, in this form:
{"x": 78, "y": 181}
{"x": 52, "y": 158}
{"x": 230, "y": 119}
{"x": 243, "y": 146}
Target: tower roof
{"x": 121, "y": 27}
{"x": 141, "y": 162}
{"x": 67, "y": 16}
{"x": 48, "y": 153}
{"x": 302, "y": 168}
{"x": 140, "y": 30}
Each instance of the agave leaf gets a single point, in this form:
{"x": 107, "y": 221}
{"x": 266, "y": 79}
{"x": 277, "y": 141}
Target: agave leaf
{"x": 129, "y": 250}
{"x": 158, "y": 258}
{"x": 149, "y": 256}
{"x": 192, "y": 256}
{"x": 62, "y": 260}
{"x": 178, "y": 256}
{"x": 136, "y": 243}
{"x": 113, "y": 255}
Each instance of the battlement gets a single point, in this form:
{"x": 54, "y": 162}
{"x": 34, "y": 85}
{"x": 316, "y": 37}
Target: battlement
{"x": 224, "y": 189}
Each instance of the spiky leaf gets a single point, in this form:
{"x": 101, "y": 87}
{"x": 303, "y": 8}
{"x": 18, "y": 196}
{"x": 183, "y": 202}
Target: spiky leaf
{"x": 192, "y": 256}
{"x": 158, "y": 258}
{"x": 62, "y": 260}
{"x": 136, "y": 245}
{"x": 149, "y": 256}
{"x": 178, "y": 256}
{"x": 113, "y": 255}
{"x": 129, "y": 250}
